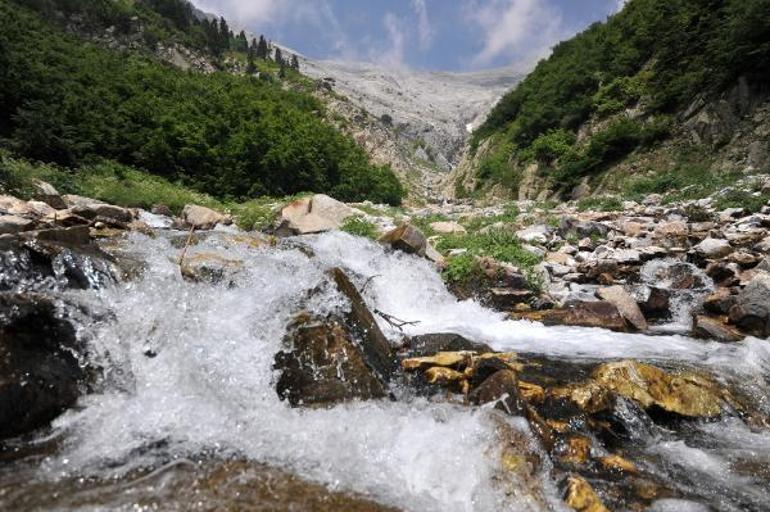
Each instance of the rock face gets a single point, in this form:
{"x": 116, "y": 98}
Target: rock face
{"x": 626, "y": 305}
{"x": 752, "y": 309}
{"x": 202, "y": 218}
{"x": 313, "y": 215}
{"x": 40, "y": 375}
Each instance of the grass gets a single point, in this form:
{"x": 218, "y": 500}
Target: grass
{"x": 751, "y": 202}
{"x": 510, "y": 214}
{"x": 360, "y": 227}
{"x": 423, "y": 223}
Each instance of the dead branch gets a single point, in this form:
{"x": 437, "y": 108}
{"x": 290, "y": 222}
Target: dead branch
{"x": 366, "y": 283}
{"x": 186, "y": 245}
{"x": 395, "y": 322}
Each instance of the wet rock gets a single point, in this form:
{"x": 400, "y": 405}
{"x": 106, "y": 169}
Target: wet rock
{"x": 12, "y": 224}
{"x": 376, "y": 347}
{"x": 314, "y": 214}
{"x": 574, "y": 450}
{"x": 713, "y": 248}
{"x": 458, "y": 360}
{"x": 209, "y": 268}
{"x": 448, "y": 228}
{"x": 751, "y": 313}
{"x": 40, "y": 375}
{"x": 685, "y": 394}
{"x": 584, "y": 314}
{"x": 657, "y": 305}
{"x": 723, "y": 273}
{"x": 103, "y": 212}
{"x": 66, "y": 218}
{"x": 504, "y": 299}
{"x": 581, "y": 496}
{"x": 500, "y": 388}
{"x": 719, "y": 302}
{"x": 626, "y": 305}
{"x": 406, "y": 238}
{"x": 324, "y": 366}
{"x": 426, "y": 344}
{"x": 617, "y": 464}
{"x": 202, "y": 218}
{"x": 713, "y": 329}
{"x": 75, "y": 236}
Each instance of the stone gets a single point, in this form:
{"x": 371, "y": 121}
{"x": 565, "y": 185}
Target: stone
{"x": 574, "y": 450}
{"x": 202, "y": 218}
{"x": 73, "y": 201}
{"x": 626, "y": 305}
{"x": 324, "y": 366}
{"x": 72, "y": 236}
{"x": 671, "y": 230}
{"x": 763, "y": 246}
{"x": 448, "y": 228}
{"x": 585, "y": 314}
{"x": 48, "y": 194}
{"x": 633, "y": 229}
{"x": 719, "y": 302}
{"x": 580, "y": 496}
{"x": 582, "y": 229}
{"x": 376, "y": 348}
{"x": 66, "y": 218}
{"x": 685, "y": 394}
{"x": 406, "y": 238}
{"x": 713, "y": 329}
{"x": 12, "y": 224}
{"x": 442, "y": 359}
{"x": 314, "y": 214}
{"x": 617, "y": 464}
{"x": 502, "y": 389}
{"x": 657, "y": 304}
{"x": 751, "y": 312}
{"x": 534, "y": 234}
{"x": 39, "y": 364}
{"x": 209, "y": 268}
{"x": 426, "y": 344}
{"x": 713, "y": 248}
{"x": 504, "y": 299}
{"x": 10, "y": 205}
{"x": 40, "y": 208}
{"x": 161, "y": 209}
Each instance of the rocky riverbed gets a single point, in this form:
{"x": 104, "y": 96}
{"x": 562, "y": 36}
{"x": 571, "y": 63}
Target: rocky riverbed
{"x": 159, "y": 362}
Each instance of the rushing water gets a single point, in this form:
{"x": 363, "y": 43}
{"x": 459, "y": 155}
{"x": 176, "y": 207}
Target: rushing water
{"x": 188, "y": 371}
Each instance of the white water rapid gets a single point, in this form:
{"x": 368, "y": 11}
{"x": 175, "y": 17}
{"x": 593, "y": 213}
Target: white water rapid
{"x": 210, "y": 387}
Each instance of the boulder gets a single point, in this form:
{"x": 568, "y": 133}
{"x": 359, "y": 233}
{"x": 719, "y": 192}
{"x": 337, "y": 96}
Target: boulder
{"x": 719, "y": 302}
{"x": 751, "y": 312}
{"x": 40, "y": 208}
{"x": 713, "y": 248}
{"x": 582, "y": 229}
{"x": 406, "y": 238}
{"x": 324, "y": 366}
{"x": 584, "y": 314}
{"x": 48, "y": 194}
{"x": 657, "y": 304}
{"x": 12, "y": 224}
{"x": 534, "y": 234}
{"x": 72, "y": 201}
{"x": 426, "y": 344}
{"x": 581, "y": 496}
{"x": 502, "y": 389}
{"x": 668, "y": 230}
{"x": 713, "y": 329}
{"x": 209, "y": 268}
{"x": 202, "y": 218}
{"x": 626, "y": 305}
{"x": 314, "y": 214}
{"x": 685, "y": 394}
{"x": 10, "y": 205}
{"x": 40, "y": 374}
{"x": 448, "y": 228}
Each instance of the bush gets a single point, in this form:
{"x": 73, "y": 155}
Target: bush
{"x": 500, "y": 244}
{"x": 461, "y": 268}
{"x": 551, "y": 146}
{"x": 751, "y": 202}
{"x": 360, "y": 227}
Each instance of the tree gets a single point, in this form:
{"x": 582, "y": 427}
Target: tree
{"x": 262, "y": 49}
{"x": 294, "y": 62}
{"x": 251, "y": 68}
{"x": 224, "y": 35}
{"x": 241, "y": 43}
{"x": 279, "y": 56}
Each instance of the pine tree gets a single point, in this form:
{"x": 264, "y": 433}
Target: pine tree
{"x": 251, "y": 68}
{"x": 241, "y": 43}
{"x": 224, "y": 35}
{"x": 294, "y": 62}
{"x": 262, "y": 49}
{"x": 278, "y": 56}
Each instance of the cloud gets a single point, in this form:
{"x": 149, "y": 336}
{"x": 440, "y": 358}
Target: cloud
{"x": 521, "y": 31}
{"x": 425, "y": 31}
{"x": 619, "y": 4}
{"x": 393, "y": 56}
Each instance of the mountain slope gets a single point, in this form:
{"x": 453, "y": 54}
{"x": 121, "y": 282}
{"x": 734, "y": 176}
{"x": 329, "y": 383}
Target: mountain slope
{"x": 643, "y": 83}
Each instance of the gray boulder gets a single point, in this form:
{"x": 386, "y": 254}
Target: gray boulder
{"x": 752, "y": 309}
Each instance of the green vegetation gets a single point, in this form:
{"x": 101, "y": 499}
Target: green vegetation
{"x": 70, "y": 103}
{"x": 510, "y": 214}
{"x": 602, "y": 204}
{"x": 423, "y": 222}
{"x": 662, "y": 54}
{"x": 360, "y": 227}
{"x": 462, "y": 268}
{"x": 752, "y": 202}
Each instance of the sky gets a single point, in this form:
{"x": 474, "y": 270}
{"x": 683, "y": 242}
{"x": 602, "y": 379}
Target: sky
{"x": 450, "y": 35}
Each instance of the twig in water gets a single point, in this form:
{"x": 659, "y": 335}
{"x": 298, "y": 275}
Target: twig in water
{"x": 369, "y": 280}
{"x": 395, "y": 322}
{"x": 186, "y": 245}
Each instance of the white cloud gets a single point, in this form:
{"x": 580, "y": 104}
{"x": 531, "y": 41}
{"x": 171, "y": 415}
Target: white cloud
{"x": 424, "y": 29}
{"x": 393, "y": 55}
{"x": 521, "y": 31}
{"x": 619, "y": 4}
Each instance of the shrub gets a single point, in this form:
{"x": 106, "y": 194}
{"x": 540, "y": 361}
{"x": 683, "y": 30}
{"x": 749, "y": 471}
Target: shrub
{"x": 360, "y": 227}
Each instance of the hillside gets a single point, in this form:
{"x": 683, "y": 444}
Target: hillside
{"x": 659, "y": 86}
{"x": 68, "y": 101}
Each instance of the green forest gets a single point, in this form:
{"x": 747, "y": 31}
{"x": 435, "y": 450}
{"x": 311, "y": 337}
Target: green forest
{"x": 69, "y": 102}
{"x": 663, "y": 54}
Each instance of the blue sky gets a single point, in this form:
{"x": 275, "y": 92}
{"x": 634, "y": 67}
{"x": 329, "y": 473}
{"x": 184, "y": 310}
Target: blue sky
{"x": 452, "y": 35}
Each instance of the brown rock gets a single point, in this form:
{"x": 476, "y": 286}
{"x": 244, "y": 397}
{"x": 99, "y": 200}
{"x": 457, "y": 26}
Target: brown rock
{"x": 502, "y": 387}
{"x": 617, "y": 464}
{"x": 12, "y": 224}
{"x": 626, "y": 305}
{"x": 426, "y": 344}
{"x": 719, "y": 302}
{"x": 209, "y": 267}
{"x": 444, "y": 359}
{"x": 657, "y": 304}
{"x": 574, "y": 450}
{"x": 581, "y": 496}
{"x": 714, "y": 329}
{"x": 586, "y": 314}
{"x": 202, "y": 218}
{"x": 406, "y": 238}
{"x": 751, "y": 313}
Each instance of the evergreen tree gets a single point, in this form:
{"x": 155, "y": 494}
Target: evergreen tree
{"x": 262, "y": 49}
{"x": 279, "y": 56}
{"x": 251, "y": 68}
{"x": 282, "y": 71}
{"x": 224, "y": 35}
{"x": 294, "y": 62}
{"x": 241, "y": 43}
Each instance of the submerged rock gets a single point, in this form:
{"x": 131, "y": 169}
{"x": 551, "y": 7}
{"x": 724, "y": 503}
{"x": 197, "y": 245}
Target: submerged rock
{"x": 40, "y": 374}
{"x": 209, "y": 267}
{"x": 626, "y": 305}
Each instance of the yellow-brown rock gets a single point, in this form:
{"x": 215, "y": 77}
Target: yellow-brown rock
{"x": 445, "y": 359}
{"x": 617, "y": 463}
{"x": 531, "y": 392}
{"x": 442, "y": 376}
{"x": 575, "y": 450}
{"x": 582, "y": 497}
{"x": 589, "y": 397}
{"x": 686, "y": 394}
